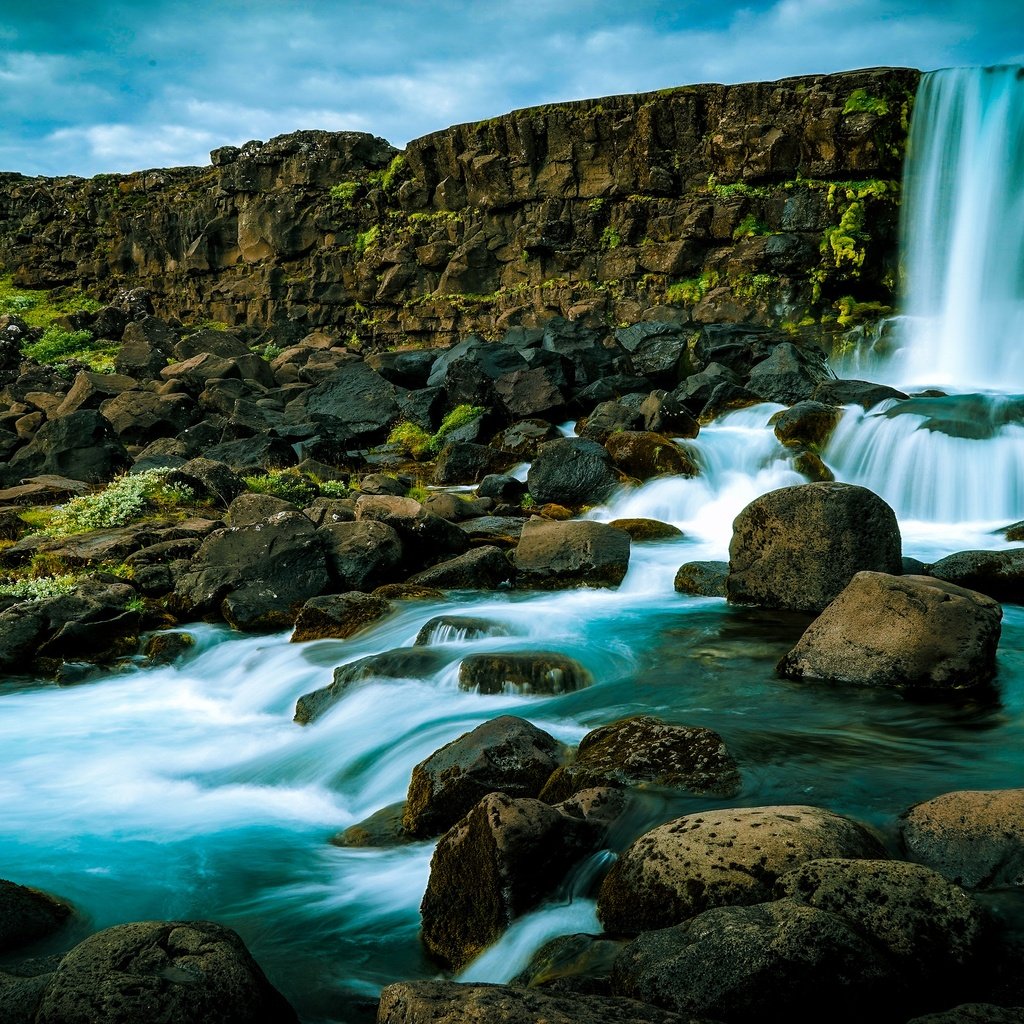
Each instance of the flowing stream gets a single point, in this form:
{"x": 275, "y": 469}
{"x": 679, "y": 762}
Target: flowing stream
{"x": 188, "y": 791}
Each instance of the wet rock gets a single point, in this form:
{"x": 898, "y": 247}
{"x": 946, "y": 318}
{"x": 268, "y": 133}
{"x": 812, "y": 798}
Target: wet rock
{"x": 788, "y": 375}
{"x": 720, "y": 858}
{"x": 447, "y": 1002}
{"x": 501, "y": 488}
{"x": 998, "y": 574}
{"x": 900, "y": 631}
{"x": 663, "y": 413}
{"x": 426, "y": 538}
{"x": 251, "y": 508}
{"x": 810, "y": 466}
{"x": 28, "y": 915}
{"x": 361, "y": 555}
{"x": 338, "y": 616}
{"x": 515, "y": 851}
{"x": 644, "y": 455}
{"x": 408, "y": 592}
{"x": 572, "y": 963}
{"x": 167, "y": 648}
{"x": 559, "y": 555}
{"x": 381, "y": 483}
{"x": 798, "y": 547}
{"x": 529, "y": 673}
{"x": 506, "y": 754}
{"x": 448, "y": 628}
{"x": 647, "y": 529}
{"x": 189, "y": 972}
{"x": 524, "y": 437}
{"x": 806, "y": 425}
{"x": 571, "y": 471}
{"x": 726, "y": 398}
{"x": 658, "y": 350}
{"x": 930, "y": 930}
{"x": 607, "y": 419}
{"x": 731, "y": 963}
{"x": 975, "y": 838}
{"x": 702, "y": 579}
{"x": 644, "y": 751}
{"x": 695, "y": 392}
{"x": 381, "y": 829}
{"x": 854, "y": 392}
{"x": 481, "y": 568}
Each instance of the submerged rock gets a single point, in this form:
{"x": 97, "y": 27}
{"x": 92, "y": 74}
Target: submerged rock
{"x": 446, "y": 628}
{"x": 902, "y": 631}
{"x": 28, "y": 915}
{"x": 572, "y": 963}
{"x": 529, "y": 673}
{"x": 798, "y": 547}
{"x": 506, "y": 754}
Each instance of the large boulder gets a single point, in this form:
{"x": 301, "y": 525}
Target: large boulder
{"x": 720, "y": 858}
{"x": 736, "y": 964}
{"x": 999, "y": 574}
{"x": 426, "y": 538}
{"x": 579, "y": 553}
{"x": 531, "y": 672}
{"x": 515, "y": 851}
{"x": 480, "y": 568}
{"x": 361, "y": 555}
{"x": 788, "y": 375}
{"x": 448, "y": 1002}
{"x": 903, "y": 631}
{"x": 163, "y": 972}
{"x": 506, "y": 754}
{"x": 571, "y": 471}
{"x": 974, "y": 837}
{"x": 338, "y": 616}
{"x": 806, "y": 424}
{"x": 81, "y": 446}
{"x": 643, "y": 455}
{"x": 28, "y": 915}
{"x": 257, "y": 576}
{"x": 798, "y": 547}
{"x": 139, "y": 417}
{"x": 644, "y": 751}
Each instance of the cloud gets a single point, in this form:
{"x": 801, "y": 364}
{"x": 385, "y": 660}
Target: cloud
{"x": 125, "y": 147}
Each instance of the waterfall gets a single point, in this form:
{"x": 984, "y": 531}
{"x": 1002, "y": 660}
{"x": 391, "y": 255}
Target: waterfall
{"x": 962, "y": 233}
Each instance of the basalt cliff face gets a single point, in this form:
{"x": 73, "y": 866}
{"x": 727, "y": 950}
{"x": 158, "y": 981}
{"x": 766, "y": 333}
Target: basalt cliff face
{"x": 772, "y": 203}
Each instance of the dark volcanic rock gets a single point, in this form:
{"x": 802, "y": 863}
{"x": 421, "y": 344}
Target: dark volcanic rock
{"x": 647, "y": 529}
{"x": 445, "y": 628}
{"x": 557, "y": 555}
{"x": 81, "y": 446}
{"x": 702, "y": 579}
{"x": 798, "y": 547}
{"x": 806, "y": 424}
{"x": 643, "y": 455}
{"x": 481, "y": 568}
{"x": 571, "y": 471}
{"x": 28, "y": 915}
{"x": 998, "y": 574}
{"x": 361, "y": 555}
{"x": 528, "y": 673}
{"x": 338, "y": 616}
{"x": 506, "y": 754}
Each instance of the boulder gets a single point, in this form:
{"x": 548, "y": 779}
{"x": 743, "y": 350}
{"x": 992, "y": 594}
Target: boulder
{"x": 702, "y": 579}
{"x": 81, "y": 445}
{"x": 524, "y": 437}
{"x": 139, "y": 417}
{"x": 998, "y": 574}
{"x": 645, "y": 751}
{"x": 571, "y": 471}
{"x": 798, "y": 547}
{"x": 257, "y": 576}
{"x": 811, "y": 467}
{"x": 481, "y": 568}
{"x": 647, "y": 529}
{"x": 167, "y": 648}
{"x": 506, "y": 754}
{"x": 426, "y": 538}
{"x": 251, "y": 507}
{"x": 454, "y": 628}
{"x": 208, "y": 479}
{"x": 854, "y": 392}
{"x": 788, "y": 375}
{"x": 447, "y": 1002}
{"x": 606, "y": 419}
{"x": 338, "y": 616}
{"x": 28, "y": 915}
{"x": 658, "y": 350}
{"x": 806, "y": 425}
{"x": 720, "y": 858}
{"x": 188, "y": 972}
{"x": 400, "y": 663}
{"x": 724, "y": 399}
{"x": 974, "y": 837}
{"x": 145, "y": 347}
{"x": 910, "y": 632}
{"x": 464, "y": 462}
{"x": 382, "y": 828}
{"x": 499, "y": 531}
{"x": 361, "y": 555}
{"x": 501, "y": 488}
{"x": 524, "y": 673}
{"x": 643, "y": 455}
{"x": 539, "y": 391}
{"x": 577, "y": 963}
{"x": 974, "y": 1013}
{"x": 664, "y": 414}
{"x": 516, "y": 851}
{"x": 559, "y": 555}
{"x": 253, "y": 455}
{"x": 742, "y": 963}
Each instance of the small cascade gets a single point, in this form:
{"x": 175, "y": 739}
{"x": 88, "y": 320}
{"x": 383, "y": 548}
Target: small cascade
{"x": 963, "y": 233}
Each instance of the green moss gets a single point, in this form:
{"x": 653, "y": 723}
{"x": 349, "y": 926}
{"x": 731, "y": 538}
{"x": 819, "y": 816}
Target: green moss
{"x": 737, "y": 188}
{"x": 595, "y": 205}
{"x": 861, "y": 102}
{"x": 692, "y": 290}
{"x": 852, "y": 312}
{"x": 287, "y": 484}
{"x": 749, "y": 227}
{"x": 458, "y": 417}
{"x": 344, "y": 192}
{"x": 366, "y": 240}
{"x": 413, "y": 440}
{"x": 610, "y": 238}
{"x": 391, "y": 176}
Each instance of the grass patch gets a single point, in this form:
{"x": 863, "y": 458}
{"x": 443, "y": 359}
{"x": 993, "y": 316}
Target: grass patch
{"x": 419, "y": 444}
{"x": 286, "y": 484}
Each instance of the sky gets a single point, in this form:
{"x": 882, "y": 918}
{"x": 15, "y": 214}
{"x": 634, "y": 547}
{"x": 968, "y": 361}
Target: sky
{"x": 89, "y": 87}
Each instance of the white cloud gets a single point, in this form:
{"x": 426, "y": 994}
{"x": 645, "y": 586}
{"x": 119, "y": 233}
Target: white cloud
{"x": 126, "y": 147}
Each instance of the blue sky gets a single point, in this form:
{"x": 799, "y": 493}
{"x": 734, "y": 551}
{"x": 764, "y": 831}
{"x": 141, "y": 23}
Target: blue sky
{"x": 88, "y": 86}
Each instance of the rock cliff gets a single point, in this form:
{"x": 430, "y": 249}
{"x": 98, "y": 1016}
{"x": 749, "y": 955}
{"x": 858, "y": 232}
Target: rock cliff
{"x": 773, "y": 203}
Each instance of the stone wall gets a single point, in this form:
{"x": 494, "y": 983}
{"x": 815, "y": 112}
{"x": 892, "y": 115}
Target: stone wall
{"x": 771, "y": 203}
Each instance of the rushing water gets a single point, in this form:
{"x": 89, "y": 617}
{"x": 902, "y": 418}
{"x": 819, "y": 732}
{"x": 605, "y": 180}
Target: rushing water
{"x": 188, "y": 791}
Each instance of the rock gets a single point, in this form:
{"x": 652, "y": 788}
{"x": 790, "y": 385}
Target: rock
{"x": 558, "y": 555}
{"x": 524, "y": 673}
{"x": 258, "y": 576}
{"x": 28, "y": 915}
{"x": 572, "y": 963}
{"x": 455, "y": 628}
{"x": 806, "y": 425}
{"x": 327, "y": 511}
{"x": 408, "y": 592}
{"x": 251, "y": 508}
{"x": 854, "y": 392}
{"x": 974, "y": 1013}
{"x": 145, "y": 347}
{"x": 930, "y": 930}
{"x": 452, "y": 507}
{"x": 500, "y": 531}
{"x": 733, "y": 963}
{"x": 426, "y": 538}
{"x": 139, "y": 417}
{"x": 702, "y": 579}
{"x": 720, "y": 858}
{"x": 900, "y": 631}
{"x": 726, "y": 398}
{"x": 166, "y": 648}
{"x": 658, "y": 350}
{"x": 998, "y": 574}
{"x": 643, "y": 455}
{"x": 695, "y": 392}
{"x": 606, "y": 419}
{"x": 254, "y": 455}
{"x": 663, "y": 413}
{"x": 353, "y": 406}
{"x": 361, "y": 555}
{"x": 539, "y": 391}
{"x": 524, "y": 437}
{"x": 209, "y": 479}
{"x": 338, "y": 616}
{"x": 463, "y": 462}
{"x": 810, "y": 466}
{"x": 973, "y": 837}
{"x": 481, "y": 568}
{"x": 81, "y": 446}
{"x": 798, "y": 547}
{"x": 515, "y": 851}
{"x": 400, "y": 663}
{"x": 788, "y": 375}
{"x": 447, "y": 1002}
{"x": 381, "y": 483}
{"x": 647, "y": 529}
{"x": 382, "y": 828}
{"x": 571, "y": 471}
{"x": 188, "y": 972}
{"x": 645, "y": 752}
{"x": 501, "y": 488}
{"x": 506, "y": 754}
